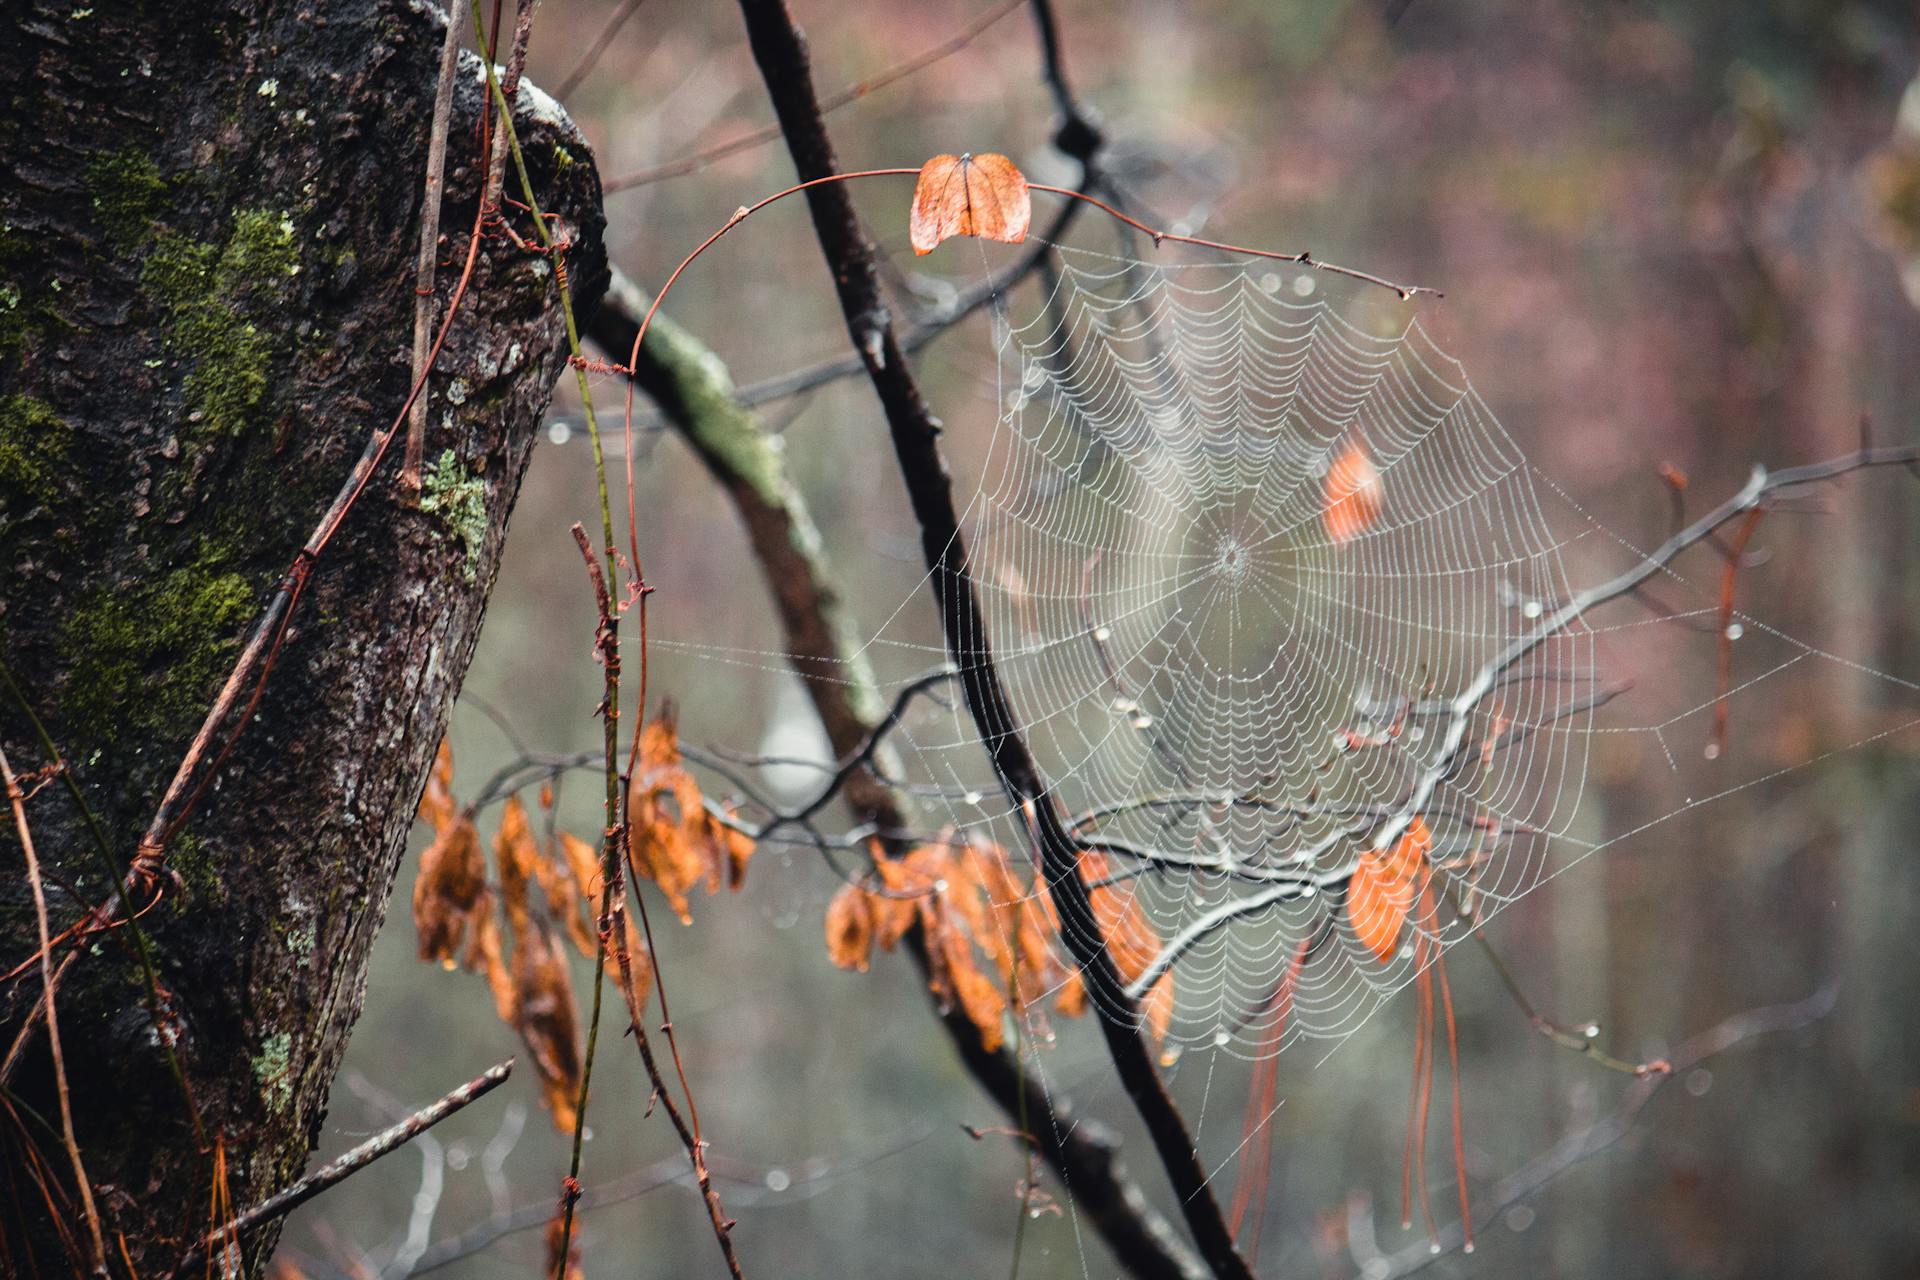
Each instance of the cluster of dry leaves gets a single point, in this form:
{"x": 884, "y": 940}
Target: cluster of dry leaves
{"x": 516, "y": 937}
{"x": 990, "y": 936}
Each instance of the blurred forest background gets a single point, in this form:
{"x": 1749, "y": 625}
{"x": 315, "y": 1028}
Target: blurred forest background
{"x": 1668, "y": 233}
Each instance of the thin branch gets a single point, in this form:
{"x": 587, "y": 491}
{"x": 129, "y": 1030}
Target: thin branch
{"x": 781, "y": 55}
{"x": 17, "y": 799}
{"x": 596, "y": 47}
{"x": 1578, "y": 1147}
{"x": 859, "y": 759}
{"x": 429, "y": 256}
{"x": 1304, "y": 258}
{"x": 613, "y": 936}
{"x": 852, "y": 93}
{"x": 1759, "y": 489}
{"x": 338, "y": 1170}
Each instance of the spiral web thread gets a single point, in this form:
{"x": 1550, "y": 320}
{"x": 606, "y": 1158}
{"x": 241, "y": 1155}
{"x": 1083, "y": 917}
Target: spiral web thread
{"x": 1232, "y": 694}
{"x": 1235, "y": 693}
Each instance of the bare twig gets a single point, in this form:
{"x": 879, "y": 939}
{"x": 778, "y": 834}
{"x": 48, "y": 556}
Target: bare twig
{"x": 17, "y": 799}
{"x": 1459, "y": 710}
{"x": 348, "y": 1164}
{"x": 1578, "y": 1147}
{"x": 852, "y": 93}
{"x": 859, "y": 758}
{"x": 590, "y": 58}
{"x": 613, "y": 936}
{"x": 429, "y": 253}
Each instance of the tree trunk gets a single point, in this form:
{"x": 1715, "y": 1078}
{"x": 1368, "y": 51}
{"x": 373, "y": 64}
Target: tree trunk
{"x": 207, "y": 235}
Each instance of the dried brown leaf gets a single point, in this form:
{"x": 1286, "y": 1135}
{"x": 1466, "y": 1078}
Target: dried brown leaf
{"x": 486, "y": 954}
{"x": 516, "y": 858}
{"x": 969, "y": 195}
{"x": 544, "y": 1016}
{"x": 850, "y": 928}
{"x": 672, "y": 839}
{"x": 450, "y": 891}
{"x": 582, "y": 863}
{"x": 436, "y": 802}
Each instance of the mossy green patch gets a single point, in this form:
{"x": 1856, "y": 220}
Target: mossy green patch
{"x": 273, "y": 1070}
{"x": 208, "y": 293}
{"x": 459, "y": 497}
{"x": 25, "y": 309}
{"x": 189, "y": 858}
{"x": 128, "y": 193}
{"x": 33, "y": 440}
{"x": 13, "y": 316}
{"x": 144, "y": 660}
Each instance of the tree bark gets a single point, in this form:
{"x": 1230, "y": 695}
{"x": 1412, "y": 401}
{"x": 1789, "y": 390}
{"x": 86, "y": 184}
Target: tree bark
{"x": 206, "y": 289}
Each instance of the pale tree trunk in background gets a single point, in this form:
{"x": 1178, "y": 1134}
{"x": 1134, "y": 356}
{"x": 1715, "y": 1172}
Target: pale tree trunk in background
{"x": 207, "y": 232}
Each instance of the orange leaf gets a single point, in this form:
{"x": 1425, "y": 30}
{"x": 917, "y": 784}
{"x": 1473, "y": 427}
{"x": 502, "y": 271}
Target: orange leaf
{"x": 450, "y": 892}
{"x": 959, "y": 982}
{"x": 1381, "y": 889}
{"x": 1353, "y": 494}
{"x": 850, "y": 928}
{"x": 518, "y": 859}
{"x": 544, "y": 1017}
{"x": 673, "y": 840}
{"x": 969, "y": 195}
{"x": 582, "y": 866}
{"x": 1157, "y": 1005}
{"x": 436, "y": 803}
{"x": 486, "y": 954}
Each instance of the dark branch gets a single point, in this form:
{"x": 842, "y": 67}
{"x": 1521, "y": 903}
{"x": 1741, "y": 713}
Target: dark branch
{"x": 382, "y": 1143}
{"x": 681, "y": 376}
{"x": 781, "y": 54}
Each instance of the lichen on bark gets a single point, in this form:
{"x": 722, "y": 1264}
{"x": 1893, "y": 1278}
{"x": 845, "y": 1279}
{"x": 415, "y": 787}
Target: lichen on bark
{"x": 202, "y": 296}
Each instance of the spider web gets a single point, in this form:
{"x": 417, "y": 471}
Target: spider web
{"x": 1239, "y": 685}
{"x": 1234, "y": 690}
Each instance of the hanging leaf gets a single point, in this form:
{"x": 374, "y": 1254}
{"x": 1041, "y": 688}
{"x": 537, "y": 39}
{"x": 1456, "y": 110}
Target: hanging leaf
{"x": 544, "y": 1017}
{"x": 584, "y": 879}
{"x": 1131, "y": 940}
{"x": 517, "y": 860}
{"x": 969, "y": 988}
{"x": 850, "y": 928}
{"x": 969, "y": 195}
{"x": 450, "y": 893}
{"x": 672, "y": 839}
{"x": 895, "y": 910}
{"x": 1353, "y": 494}
{"x": 1381, "y": 889}
{"x": 486, "y": 954}
{"x": 436, "y": 803}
